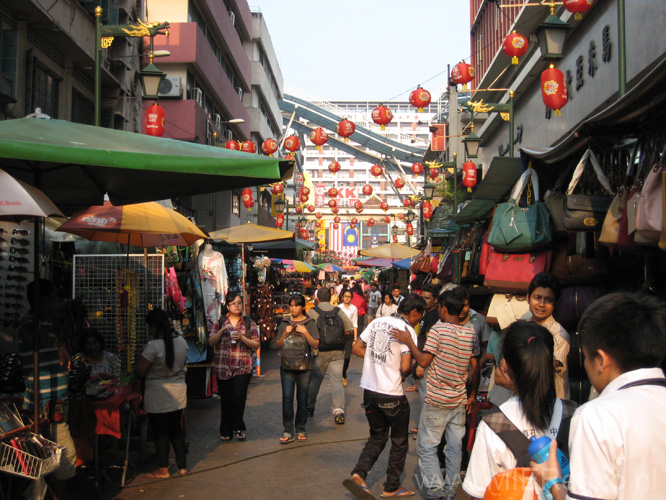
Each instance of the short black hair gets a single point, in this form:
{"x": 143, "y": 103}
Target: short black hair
{"x": 630, "y": 328}
{"x": 388, "y": 294}
{"x": 88, "y": 332}
{"x": 453, "y": 302}
{"x": 431, "y": 289}
{"x": 297, "y": 299}
{"x": 463, "y": 291}
{"x": 347, "y": 291}
{"x": 412, "y": 302}
{"x": 395, "y": 286}
{"x": 324, "y": 295}
{"x": 545, "y": 280}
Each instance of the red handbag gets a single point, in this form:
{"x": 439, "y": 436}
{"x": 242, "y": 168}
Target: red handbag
{"x": 512, "y": 272}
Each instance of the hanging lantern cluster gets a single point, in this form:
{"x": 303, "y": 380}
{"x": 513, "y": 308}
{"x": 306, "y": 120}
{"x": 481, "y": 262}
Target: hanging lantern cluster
{"x": 318, "y": 137}
{"x": 417, "y": 168}
{"x": 248, "y": 147}
{"x": 554, "y": 89}
{"x": 233, "y": 145}
{"x": 367, "y": 190}
{"x": 469, "y": 175}
{"x": 292, "y": 144}
{"x": 248, "y": 199}
{"x": 334, "y": 167}
{"x": 515, "y": 45}
{"x": 578, "y": 7}
{"x": 336, "y": 225}
{"x": 345, "y": 128}
{"x": 336, "y": 219}
{"x": 269, "y": 146}
{"x": 304, "y": 197}
{"x": 384, "y": 206}
{"x": 376, "y": 170}
{"x": 382, "y": 116}
{"x": 155, "y": 120}
{"x": 279, "y": 220}
{"x": 462, "y": 73}
{"x": 358, "y": 206}
{"x": 399, "y": 183}
{"x": 419, "y": 98}
{"x": 426, "y": 208}
{"x": 335, "y": 210}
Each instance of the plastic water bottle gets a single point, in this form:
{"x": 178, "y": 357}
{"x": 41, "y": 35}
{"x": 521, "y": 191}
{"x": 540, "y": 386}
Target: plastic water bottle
{"x": 539, "y": 450}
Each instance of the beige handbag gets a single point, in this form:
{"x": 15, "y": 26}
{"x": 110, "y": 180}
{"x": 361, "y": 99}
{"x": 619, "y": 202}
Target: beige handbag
{"x": 662, "y": 239}
{"x": 610, "y": 231}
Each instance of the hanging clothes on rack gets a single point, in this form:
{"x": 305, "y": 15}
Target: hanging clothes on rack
{"x": 214, "y": 283}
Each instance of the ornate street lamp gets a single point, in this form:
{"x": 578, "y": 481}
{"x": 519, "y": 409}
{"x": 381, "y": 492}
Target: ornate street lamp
{"x": 410, "y": 216}
{"x": 552, "y": 34}
{"x": 280, "y": 205}
{"x": 151, "y": 77}
{"x": 428, "y": 190}
{"x": 472, "y": 142}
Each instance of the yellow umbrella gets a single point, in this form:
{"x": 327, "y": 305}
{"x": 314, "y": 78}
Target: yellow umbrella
{"x": 251, "y": 233}
{"x": 390, "y": 251}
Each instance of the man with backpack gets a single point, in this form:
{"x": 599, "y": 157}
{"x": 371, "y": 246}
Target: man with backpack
{"x": 333, "y": 324}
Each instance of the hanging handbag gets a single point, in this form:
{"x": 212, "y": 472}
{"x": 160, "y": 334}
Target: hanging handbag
{"x": 512, "y": 272}
{"x": 610, "y": 230}
{"x": 421, "y": 263}
{"x": 518, "y": 229}
{"x": 583, "y": 212}
{"x": 573, "y": 268}
{"x": 662, "y": 238}
{"x": 649, "y": 217}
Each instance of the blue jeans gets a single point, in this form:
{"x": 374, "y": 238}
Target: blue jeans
{"x": 294, "y": 381}
{"x": 331, "y": 362}
{"x": 434, "y": 422}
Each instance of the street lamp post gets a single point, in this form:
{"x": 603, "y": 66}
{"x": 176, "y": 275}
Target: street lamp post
{"x": 504, "y": 109}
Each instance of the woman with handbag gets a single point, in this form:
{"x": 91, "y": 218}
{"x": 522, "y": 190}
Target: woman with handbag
{"x": 298, "y": 335}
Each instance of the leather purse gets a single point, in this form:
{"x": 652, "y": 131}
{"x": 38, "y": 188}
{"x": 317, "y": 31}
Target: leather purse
{"x": 662, "y": 238}
{"x": 649, "y": 216}
{"x": 584, "y": 212}
{"x": 610, "y": 230}
{"x": 573, "y": 268}
{"x": 512, "y": 272}
{"x": 521, "y": 229}
{"x": 421, "y": 263}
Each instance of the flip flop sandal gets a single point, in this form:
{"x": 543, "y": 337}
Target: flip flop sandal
{"x": 225, "y": 438}
{"x": 404, "y": 492}
{"x": 286, "y": 439}
{"x": 240, "y": 435}
{"x": 301, "y": 437}
{"x": 411, "y": 389}
{"x": 359, "y": 491}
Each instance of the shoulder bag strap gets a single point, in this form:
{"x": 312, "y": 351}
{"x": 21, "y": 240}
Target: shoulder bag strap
{"x": 512, "y": 437}
{"x": 580, "y": 168}
{"x": 518, "y": 189}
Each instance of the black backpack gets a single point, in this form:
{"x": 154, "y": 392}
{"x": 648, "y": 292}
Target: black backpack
{"x": 331, "y": 330}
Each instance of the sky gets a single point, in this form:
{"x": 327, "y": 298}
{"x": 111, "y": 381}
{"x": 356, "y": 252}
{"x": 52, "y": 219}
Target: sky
{"x": 367, "y": 49}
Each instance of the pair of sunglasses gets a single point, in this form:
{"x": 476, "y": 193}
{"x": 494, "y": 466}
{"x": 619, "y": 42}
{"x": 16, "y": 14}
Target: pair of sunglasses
{"x": 16, "y": 231}
{"x": 22, "y": 251}
{"x": 21, "y": 241}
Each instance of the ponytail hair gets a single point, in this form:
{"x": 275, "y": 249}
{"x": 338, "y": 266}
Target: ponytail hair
{"x": 527, "y": 348}
{"x": 160, "y": 320}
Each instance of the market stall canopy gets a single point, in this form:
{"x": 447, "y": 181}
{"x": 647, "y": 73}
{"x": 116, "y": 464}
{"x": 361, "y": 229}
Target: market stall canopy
{"x": 286, "y": 245}
{"x": 75, "y": 164}
{"x": 141, "y": 225}
{"x": 330, "y": 268}
{"x": 402, "y": 264}
{"x": 251, "y": 233}
{"x": 19, "y": 201}
{"x": 393, "y": 251}
{"x": 295, "y": 265}
{"x": 376, "y": 262}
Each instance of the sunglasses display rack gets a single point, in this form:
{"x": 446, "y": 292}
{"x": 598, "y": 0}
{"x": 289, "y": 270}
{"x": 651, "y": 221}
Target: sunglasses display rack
{"x": 16, "y": 271}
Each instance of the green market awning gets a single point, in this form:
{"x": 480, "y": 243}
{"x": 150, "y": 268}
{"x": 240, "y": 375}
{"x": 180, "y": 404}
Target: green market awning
{"x": 77, "y": 164}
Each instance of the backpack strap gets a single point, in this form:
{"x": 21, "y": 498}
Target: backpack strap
{"x": 512, "y": 437}
{"x": 568, "y": 409}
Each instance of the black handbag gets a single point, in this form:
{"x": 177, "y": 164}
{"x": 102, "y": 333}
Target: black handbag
{"x": 584, "y": 212}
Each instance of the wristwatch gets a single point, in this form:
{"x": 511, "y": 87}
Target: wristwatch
{"x": 549, "y": 485}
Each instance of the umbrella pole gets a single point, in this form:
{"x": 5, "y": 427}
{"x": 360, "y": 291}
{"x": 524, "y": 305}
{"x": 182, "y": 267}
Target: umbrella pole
{"x": 35, "y": 333}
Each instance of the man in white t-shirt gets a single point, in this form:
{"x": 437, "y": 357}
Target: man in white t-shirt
{"x": 385, "y": 364}
{"x": 374, "y": 298}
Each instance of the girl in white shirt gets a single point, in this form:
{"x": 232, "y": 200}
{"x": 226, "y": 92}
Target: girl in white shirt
{"x": 388, "y": 308}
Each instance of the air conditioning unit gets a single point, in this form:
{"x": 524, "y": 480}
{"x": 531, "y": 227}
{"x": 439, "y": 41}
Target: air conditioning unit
{"x": 240, "y": 93}
{"x": 171, "y": 87}
{"x": 218, "y": 120}
{"x": 197, "y": 95}
{"x": 233, "y": 18}
{"x": 230, "y": 135}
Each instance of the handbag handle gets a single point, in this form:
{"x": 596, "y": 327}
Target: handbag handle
{"x": 580, "y": 168}
{"x": 518, "y": 189}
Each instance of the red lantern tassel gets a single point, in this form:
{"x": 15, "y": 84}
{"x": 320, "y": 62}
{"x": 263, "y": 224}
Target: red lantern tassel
{"x": 382, "y": 127}
{"x": 514, "y": 60}
{"x": 420, "y": 110}
{"x": 578, "y": 16}
{"x": 557, "y": 113}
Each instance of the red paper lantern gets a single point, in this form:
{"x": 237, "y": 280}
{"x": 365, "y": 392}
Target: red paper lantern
{"x": 515, "y": 45}
{"x": 384, "y": 206}
{"x": 376, "y": 170}
{"x": 409, "y": 228}
{"x": 578, "y": 7}
{"x": 277, "y": 188}
{"x": 335, "y": 210}
{"x": 332, "y": 203}
{"x": 155, "y": 120}
{"x": 317, "y": 224}
{"x": 382, "y": 116}
{"x": 269, "y": 146}
{"x": 433, "y": 173}
{"x": 234, "y": 145}
{"x": 358, "y": 205}
{"x": 469, "y": 175}
{"x": 419, "y": 98}
{"x": 318, "y": 137}
{"x": 304, "y": 198}
{"x": 336, "y": 219}
{"x": 334, "y": 167}
{"x": 311, "y": 208}
{"x": 299, "y": 210}
{"x": 395, "y": 238}
{"x": 371, "y": 222}
{"x": 305, "y": 234}
{"x": 462, "y": 73}
{"x": 246, "y": 192}
{"x": 554, "y": 89}
{"x": 279, "y": 220}
{"x": 336, "y": 225}
{"x": 426, "y": 208}
{"x": 292, "y": 143}
{"x": 248, "y": 203}
{"x": 399, "y": 183}
{"x": 387, "y": 219}
{"x": 345, "y": 128}
{"x": 332, "y": 192}
{"x": 367, "y": 190}
{"x": 249, "y": 147}
{"x": 318, "y": 215}
{"x": 305, "y": 190}
{"x": 417, "y": 169}
{"x": 407, "y": 202}
{"x": 354, "y": 220}
{"x": 352, "y": 225}
{"x": 401, "y": 216}
{"x": 359, "y": 210}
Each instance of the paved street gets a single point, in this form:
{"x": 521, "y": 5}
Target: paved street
{"x": 261, "y": 468}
